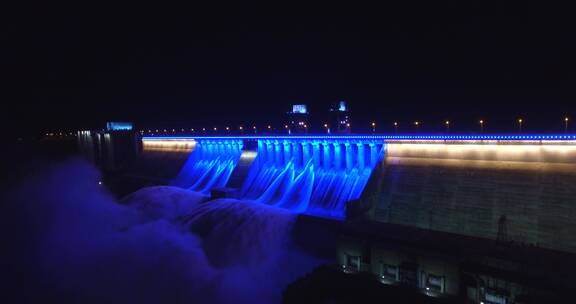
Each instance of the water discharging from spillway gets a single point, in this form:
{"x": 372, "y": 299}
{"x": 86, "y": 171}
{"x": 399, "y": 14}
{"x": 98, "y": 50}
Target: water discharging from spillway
{"x": 210, "y": 165}
{"x": 159, "y": 245}
{"x": 311, "y": 176}
{"x": 305, "y": 176}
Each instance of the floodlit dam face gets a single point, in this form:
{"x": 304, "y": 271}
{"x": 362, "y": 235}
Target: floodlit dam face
{"x": 511, "y": 188}
{"x": 512, "y": 191}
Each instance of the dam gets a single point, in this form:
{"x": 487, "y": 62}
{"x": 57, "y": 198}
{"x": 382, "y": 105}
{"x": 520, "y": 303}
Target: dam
{"x": 516, "y": 187}
{"x": 306, "y": 175}
{"x": 491, "y": 218}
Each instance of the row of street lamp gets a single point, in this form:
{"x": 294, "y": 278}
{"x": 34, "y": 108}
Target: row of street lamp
{"x": 254, "y": 129}
{"x": 417, "y": 124}
{"x": 481, "y": 122}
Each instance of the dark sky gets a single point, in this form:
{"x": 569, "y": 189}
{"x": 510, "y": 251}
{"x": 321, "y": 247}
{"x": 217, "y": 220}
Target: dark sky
{"x": 213, "y": 70}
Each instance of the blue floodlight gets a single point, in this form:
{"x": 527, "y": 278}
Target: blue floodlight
{"x": 299, "y": 108}
{"x": 118, "y": 126}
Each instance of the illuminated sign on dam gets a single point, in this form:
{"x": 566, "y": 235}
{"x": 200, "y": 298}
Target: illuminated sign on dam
{"x": 321, "y": 174}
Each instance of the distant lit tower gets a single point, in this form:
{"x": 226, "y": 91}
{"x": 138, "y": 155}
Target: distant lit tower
{"x": 340, "y": 117}
{"x": 298, "y": 119}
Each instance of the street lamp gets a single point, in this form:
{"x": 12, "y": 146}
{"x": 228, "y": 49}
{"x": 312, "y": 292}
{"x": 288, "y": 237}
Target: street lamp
{"x": 395, "y": 127}
{"x": 241, "y": 129}
{"x": 416, "y": 124}
{"x": 481, "y": 125}
{"x": 566, "y": 124}
{"x": 254, "y": 128}
{"x": 326, "y": 127}
{"x": 520, "y": 125}
{"x": 373, "y": 127}
{"x": 447, "y": 123}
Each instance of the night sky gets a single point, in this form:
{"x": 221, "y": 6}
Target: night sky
{"x": 211, "y": 70}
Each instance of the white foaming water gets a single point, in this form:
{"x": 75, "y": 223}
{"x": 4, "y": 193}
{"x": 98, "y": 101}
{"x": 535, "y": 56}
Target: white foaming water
{"x": 161, "y": 245}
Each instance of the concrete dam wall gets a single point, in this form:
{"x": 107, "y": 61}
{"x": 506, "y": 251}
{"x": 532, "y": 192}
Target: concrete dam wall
{"x": 520, "y": 190}
{"x": 512, "y": 191}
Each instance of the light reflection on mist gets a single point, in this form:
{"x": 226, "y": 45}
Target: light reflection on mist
{"x": 71, "y": 242}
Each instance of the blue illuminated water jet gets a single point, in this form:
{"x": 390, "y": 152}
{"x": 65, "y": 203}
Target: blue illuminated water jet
{"x": 312, "y": 176}
{"x": 305, "y": 176}
{"x": 210, "y": 165}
